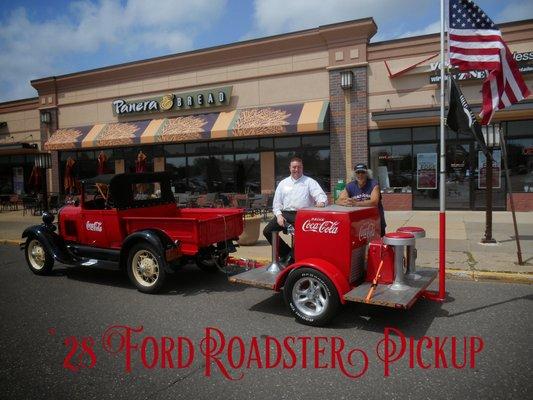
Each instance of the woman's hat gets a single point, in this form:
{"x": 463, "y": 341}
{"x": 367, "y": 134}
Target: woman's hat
{"x": 360, "y": 168}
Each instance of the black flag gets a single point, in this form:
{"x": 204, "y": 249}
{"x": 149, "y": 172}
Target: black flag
{"x": 461, "y": 118}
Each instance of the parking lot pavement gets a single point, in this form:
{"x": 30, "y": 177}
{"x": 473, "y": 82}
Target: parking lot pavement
{"x": 53, "y": 328}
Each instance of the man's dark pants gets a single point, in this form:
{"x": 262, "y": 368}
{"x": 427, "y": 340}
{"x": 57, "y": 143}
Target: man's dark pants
{"x": 273, "y": 225}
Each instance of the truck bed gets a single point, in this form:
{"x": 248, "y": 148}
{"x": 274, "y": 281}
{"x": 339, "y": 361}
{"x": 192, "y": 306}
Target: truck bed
{"x": 193, "y": 227}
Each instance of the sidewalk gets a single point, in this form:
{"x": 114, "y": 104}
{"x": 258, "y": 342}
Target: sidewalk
{"x": 465, "y": 256}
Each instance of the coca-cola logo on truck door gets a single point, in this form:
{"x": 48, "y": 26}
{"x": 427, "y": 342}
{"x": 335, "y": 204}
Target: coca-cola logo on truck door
{"x": 321, "y": 225}
{"x": 94, "y": 226}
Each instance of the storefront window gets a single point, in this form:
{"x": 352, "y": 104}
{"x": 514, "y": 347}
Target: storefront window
{"x": 425, "y": 182}
{"x": 520, "y": 159}
{"x": 221, "y": 146}
{"x": 287, "y": 142}
{"x": 266, "y": 144}
{"x": 177, "y": 166}
{"x": 198, "y": 173}
{"x": 425, "y": 134}
{"x": 174, "y": 150}
{"x": 314, "y": 152}
{"x": 247, "y": 173}
{"x": 6, "y": 177}
{"x": 130, "y": 156}
{"x": 220, "y": 176}
{"x": 392, "y": 166}
{"x": 389, "y": 136}
{"x": 245, "y": 145}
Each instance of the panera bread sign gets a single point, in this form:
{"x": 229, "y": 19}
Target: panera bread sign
{"x": 174, "y": 102}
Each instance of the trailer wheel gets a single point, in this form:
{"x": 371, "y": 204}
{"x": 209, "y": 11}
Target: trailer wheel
{"x": 311, "y": 296}
{"x": 38, "y": 258}
{"x": 146, "y": 268}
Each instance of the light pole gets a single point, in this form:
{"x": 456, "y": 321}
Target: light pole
{"x": 44, "y": 161}
{"x": 492, "y": 139}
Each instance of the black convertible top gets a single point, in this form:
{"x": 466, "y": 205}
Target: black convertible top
{"x": 121, "y": 188}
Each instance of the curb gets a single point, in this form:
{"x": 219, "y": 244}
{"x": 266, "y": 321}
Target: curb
{"x": 506, "y": 277}
{"x": 11, "y": 242}
{"x": 459, "y": 274}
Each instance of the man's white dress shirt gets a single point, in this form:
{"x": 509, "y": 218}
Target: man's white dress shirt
{"x": 292, "y": 194}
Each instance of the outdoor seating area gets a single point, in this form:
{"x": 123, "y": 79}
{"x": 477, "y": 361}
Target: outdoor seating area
{"x": 32, "y": 204}
{"x": 253, "y": 204}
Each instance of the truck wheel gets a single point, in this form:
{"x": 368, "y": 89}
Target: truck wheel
{"x": 39, "y": 260}
{"x": 311, "y": 296}
{"x": 146, "y": 268}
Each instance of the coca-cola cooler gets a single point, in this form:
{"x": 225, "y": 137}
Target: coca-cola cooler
{"x": 337, "y": 234}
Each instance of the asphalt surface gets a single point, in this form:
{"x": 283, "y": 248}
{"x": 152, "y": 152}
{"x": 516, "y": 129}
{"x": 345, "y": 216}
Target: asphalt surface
{"x": 41, "y": 315}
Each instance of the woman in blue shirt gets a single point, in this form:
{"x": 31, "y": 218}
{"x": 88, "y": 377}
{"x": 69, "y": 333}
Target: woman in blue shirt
{"x": 363, "y": 192}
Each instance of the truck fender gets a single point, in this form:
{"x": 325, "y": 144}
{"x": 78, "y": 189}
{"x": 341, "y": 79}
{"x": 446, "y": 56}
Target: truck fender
{"x": 327, "y": 268}
{"x": 155, "y": 237}
{"x": 52, "y": 242}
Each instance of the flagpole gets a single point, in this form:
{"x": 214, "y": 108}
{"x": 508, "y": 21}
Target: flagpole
{"x": 441, "y": 295}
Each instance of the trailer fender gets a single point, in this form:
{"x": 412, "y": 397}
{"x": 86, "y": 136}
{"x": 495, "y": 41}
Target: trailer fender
{"x": 327, "y": 268}
{"x": 155, "y": 237}
{"x": 52, "y": 242}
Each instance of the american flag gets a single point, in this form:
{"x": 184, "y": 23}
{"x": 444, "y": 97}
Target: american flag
{"x": 476, "y": 43}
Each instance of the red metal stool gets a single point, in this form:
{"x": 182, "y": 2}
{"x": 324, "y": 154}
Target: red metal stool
{"x": 399, "y": 240}
{"x": 418, "y": 233}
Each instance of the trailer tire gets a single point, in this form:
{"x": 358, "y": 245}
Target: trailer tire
{"x": 311, "y": 296}
{"x": 146, "y": 268}
{"x": 39, "y": 260}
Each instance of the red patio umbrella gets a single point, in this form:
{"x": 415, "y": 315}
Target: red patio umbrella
{"x": 140, "y": 163}
{"x": 68, "y": 182}
{"x": 35, "y": 179}
{"x": 102, "y": 159}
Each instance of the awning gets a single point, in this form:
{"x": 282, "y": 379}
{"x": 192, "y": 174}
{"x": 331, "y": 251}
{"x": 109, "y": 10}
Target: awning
{"x": 310, "y": 117}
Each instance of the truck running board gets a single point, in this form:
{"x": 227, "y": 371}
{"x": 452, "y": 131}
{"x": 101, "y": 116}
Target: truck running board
{"x": 385, "y": 296}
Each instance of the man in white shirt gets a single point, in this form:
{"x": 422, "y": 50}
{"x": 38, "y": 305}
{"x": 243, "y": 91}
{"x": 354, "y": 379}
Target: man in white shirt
{"x": 295, "y": 192}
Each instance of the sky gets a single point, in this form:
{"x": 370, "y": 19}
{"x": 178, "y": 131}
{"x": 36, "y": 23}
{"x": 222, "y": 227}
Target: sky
{"x": 54, "y": 37}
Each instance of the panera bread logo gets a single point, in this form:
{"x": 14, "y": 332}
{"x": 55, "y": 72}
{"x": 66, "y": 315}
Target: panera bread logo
{"x": 321, "y": 225}
{"x": 182, "y": 101}
{"x": 94, "y": 226}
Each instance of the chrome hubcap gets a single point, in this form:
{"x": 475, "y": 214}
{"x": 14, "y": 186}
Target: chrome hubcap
{"x": 310, "y": 296}
{"x": 145, "y": 268}
{"x": 36, "y": 254}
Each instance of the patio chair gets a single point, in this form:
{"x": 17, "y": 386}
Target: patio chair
{"x": 211, "y": 200}
{"x": 4, "y": 202}
{"x": 53, "y": 203}
{"x": 15, "y": 201}
{"x": 29, "y": 204}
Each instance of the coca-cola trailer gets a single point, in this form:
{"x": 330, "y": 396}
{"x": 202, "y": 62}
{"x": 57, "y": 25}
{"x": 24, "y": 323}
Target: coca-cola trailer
{"x": 340, "y": 257}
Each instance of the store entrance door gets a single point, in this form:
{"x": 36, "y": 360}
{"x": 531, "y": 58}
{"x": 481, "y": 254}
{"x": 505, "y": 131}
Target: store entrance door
{"x": 458, "y": 175}
{"x": 465, "y": 178}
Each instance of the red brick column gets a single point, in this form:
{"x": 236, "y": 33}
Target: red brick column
{"x": 359, "y": 122}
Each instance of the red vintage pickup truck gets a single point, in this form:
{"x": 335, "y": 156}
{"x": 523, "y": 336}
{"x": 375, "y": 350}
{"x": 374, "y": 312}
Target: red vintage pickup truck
{"x": 133, "y": 220}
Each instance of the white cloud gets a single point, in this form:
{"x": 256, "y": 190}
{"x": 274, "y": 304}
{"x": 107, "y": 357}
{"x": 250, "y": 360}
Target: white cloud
{"x": 276, "y": 16}
{"x": 126, "y": 30}
{"x": 434, "y": 27}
